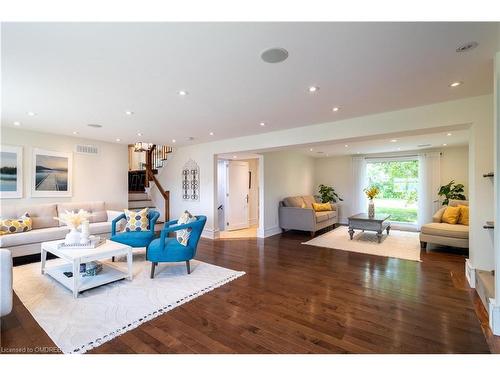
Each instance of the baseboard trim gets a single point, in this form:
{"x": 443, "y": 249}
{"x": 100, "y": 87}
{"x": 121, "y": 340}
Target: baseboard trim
{"x": 470, "y": 274}
{"x": 268, "y": 232}
{"x": 210, "y": 233}
{"x": 494, "y": 313}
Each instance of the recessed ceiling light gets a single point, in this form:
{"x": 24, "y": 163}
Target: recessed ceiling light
{"x": 262, "y": 124}
{"x": 17, "y": 123}
{"x": 76, "y": 133}
{"x": 335, "y": 109}
{"x": 310, "y": 149}
{"x": 455, "y": 84}
{"x": 182, "y": 92}
{"x": 94, "y": 125}
{"x": 139, "y": 134}
{"x": 211, "y": 133}
{"x": 313, "y": 88}
{"x": 274, "y": 55}
{"x": 31, "y": 113}
{"x": 234, "y": 156}
{"x": 173, "y": 141}
{"x": 448, "y": 135}
{"x": 445, "y": 144}
{"x": 394, "y": 140}
{"x": 117, "y": 139}
{"x": 467, "y": 46}
{"x": 346, "y": 145}
{"x": 129, "y": 113}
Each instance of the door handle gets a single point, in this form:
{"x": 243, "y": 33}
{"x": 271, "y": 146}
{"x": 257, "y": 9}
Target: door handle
{"x": 247, "y": 198}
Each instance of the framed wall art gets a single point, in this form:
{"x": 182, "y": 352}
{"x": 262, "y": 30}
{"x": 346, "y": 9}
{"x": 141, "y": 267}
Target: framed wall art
{"x": 11, "y": 171}
{"x": 51, "y": 174}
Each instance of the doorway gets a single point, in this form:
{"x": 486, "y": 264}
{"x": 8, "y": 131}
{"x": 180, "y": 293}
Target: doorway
{"x": 238, "y": 197}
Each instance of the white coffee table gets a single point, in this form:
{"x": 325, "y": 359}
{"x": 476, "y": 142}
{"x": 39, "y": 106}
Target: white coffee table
{"x": 76, "y": 256}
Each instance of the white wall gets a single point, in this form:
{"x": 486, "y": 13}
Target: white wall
{"x": 455, "y": 166}
{"x": 337, "y": 172}
{"x": 95, "y": 177}
{"x": 475, "y": 111}
{"x": 286, "y": 173}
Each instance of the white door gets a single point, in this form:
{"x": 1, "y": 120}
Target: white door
{"x": 237, "y": 195}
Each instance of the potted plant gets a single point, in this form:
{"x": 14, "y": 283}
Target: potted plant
{"x": 371, "y": 192}
{"x": 451, "y": 191}
{"x": 327, "y": 194}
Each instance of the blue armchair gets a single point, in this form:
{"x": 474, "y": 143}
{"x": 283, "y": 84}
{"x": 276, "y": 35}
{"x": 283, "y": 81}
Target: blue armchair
{"x": 135, "y": 239}
{"x": 168, "y": 249}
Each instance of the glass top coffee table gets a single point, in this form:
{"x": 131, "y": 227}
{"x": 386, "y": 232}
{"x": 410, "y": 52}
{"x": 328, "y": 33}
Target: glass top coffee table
{"x": 377, "y": 223}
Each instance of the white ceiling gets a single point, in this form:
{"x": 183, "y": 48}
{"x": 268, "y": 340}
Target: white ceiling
{"x": 74, "y": 74}
{"x": 386, "y": 144}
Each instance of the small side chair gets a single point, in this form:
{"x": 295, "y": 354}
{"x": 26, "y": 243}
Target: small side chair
{"x": 168, "y": 249}
{"x": 135, "y": 239}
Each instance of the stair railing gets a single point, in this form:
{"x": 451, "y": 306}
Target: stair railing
{"x": 154, "y": 158}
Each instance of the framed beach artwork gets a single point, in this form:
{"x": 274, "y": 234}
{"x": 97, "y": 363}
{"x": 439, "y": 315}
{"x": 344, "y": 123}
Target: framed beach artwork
{"x": 51, "y": 174}
{"x": 11, "y": 171}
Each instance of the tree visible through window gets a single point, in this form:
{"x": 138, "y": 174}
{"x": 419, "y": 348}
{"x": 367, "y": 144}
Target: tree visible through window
{"x": 398, "y": 184}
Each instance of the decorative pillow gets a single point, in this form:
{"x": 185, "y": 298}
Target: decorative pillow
{"x": 184, "y": 234}
{"x": 318, "y": 207}
{"x": 22, "y": 224}
{"x": 451, "y": 215}
{"x": 137, "y": 221}
{"x": 464, "y": 215}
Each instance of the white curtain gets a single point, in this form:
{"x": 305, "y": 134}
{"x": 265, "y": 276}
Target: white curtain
{"x": 429, "y": 175}
{"x": 359, "y": 183}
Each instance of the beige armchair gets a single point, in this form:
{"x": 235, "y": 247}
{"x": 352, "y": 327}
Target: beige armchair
{"x": 297, "y": 213}
{"x": 437, "y": 232}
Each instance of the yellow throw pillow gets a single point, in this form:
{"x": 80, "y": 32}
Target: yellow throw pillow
{"x": 137, "y": 221}
{"x": 464, "y": 215}
{"x": 322, "y": 207}
{"x": 22, "y": 224}
{"x": 451, "y": 215}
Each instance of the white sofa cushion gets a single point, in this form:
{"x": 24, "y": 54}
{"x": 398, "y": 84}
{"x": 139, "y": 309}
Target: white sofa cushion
{"x": 5, "y": 282}
{"x": 33, "y": 236}
{"x": 97, "y": 209}
{"x": 42, "y": 215}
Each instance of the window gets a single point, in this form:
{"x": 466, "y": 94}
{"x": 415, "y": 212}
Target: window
{"x": 397, "y": 180}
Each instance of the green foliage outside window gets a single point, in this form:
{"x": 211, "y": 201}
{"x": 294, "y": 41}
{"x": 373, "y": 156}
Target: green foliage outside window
{"x": 394, "y": 179}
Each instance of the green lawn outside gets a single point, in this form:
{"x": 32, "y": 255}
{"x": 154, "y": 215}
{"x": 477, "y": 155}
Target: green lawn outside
{"x": 403, "y": 215}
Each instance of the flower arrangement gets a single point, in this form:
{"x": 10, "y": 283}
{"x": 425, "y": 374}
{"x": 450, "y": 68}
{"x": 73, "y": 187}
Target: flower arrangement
{"x": 371, "y": 192}
{"x": 72, "y": 219}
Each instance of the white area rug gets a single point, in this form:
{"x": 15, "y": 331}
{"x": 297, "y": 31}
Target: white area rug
{"x": 98, "y": 315}
{"x": 398, "y": 244}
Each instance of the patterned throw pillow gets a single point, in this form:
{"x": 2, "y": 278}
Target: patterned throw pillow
{"x": 9, "y": 226}
{"x": 184, "y": 234}
{"x": 137, "y": 221}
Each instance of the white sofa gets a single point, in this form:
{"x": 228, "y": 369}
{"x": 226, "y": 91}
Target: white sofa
{"x": 5, "y": 282}
{"x": 46, "y": 228}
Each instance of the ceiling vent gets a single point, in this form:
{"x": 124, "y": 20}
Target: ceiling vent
{"x": 87, "y": 149}
{"x": 97, "y": 126}
{"x": 425, "y": 145}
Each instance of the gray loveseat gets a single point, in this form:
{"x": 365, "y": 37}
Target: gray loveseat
{"x": 297, "y": 213}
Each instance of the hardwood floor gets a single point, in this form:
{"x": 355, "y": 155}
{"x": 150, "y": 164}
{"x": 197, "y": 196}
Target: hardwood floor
{"x": 302, "y": 299}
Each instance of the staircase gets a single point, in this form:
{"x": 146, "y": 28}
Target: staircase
{"x": 142, "y": 181}
{"x": 138, "y": 201}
